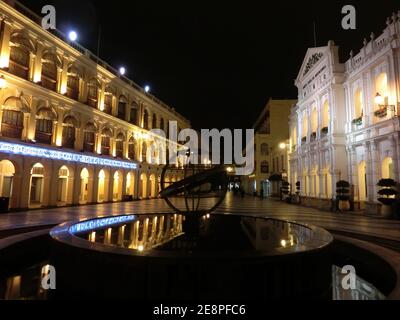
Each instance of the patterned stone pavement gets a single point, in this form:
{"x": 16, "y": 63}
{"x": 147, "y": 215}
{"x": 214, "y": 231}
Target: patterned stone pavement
{"x": 345, "y": 222}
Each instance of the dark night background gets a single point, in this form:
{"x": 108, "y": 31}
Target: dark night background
{"x": 216, "y": 63}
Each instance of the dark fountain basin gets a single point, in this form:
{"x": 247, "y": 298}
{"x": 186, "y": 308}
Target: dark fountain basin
{"x": 227, "y": 257}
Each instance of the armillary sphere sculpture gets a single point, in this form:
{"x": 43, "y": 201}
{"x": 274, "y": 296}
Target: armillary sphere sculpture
{"x": 194, "y": 189}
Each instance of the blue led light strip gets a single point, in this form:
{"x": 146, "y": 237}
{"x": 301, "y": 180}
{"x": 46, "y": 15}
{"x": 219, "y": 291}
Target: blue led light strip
{"x": 24, "y": 150}
{"x": 100, "y": 223}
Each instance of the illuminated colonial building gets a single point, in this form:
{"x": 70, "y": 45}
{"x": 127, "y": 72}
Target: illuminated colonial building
{"x": 73, "y": 130}
{"x": 346, "y": 125}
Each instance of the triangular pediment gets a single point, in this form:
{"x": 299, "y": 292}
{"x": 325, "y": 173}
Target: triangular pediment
{"x": 311, "y": 59}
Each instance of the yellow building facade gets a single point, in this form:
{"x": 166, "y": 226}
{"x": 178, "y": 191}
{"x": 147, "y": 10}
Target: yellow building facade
{"x": 72, "y": 129}
{"x": 271, "y": 130}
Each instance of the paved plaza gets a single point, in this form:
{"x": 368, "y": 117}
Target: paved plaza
{"x": 343, "y": 222}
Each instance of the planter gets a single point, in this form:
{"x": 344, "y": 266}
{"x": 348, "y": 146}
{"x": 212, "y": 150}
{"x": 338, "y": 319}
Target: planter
{"x": 344, "y": 205}
{"x": 386, "y": 211}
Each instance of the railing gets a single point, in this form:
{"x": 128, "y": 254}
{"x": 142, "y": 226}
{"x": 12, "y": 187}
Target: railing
{"x": 62, "y": 36}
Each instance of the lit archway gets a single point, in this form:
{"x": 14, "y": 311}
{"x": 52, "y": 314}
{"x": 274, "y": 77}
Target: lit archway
{"x": 7, "y": 172}
{"x": 130, "y": 184}
{"x": 101, "y": 186}
{"x": 381, "y": 85}
{"x": 387, "y": 168}
{"x": 84, "y": 191}
{"x": 153, "y": 183}
{"x": 325, "y": 115}
{"x": 143, "y": 187}
{"x": 362, "y": 181}
{"x": 117, "y": 186}
{"x": 62, "y": 188}
{"x": 36, "y": 185}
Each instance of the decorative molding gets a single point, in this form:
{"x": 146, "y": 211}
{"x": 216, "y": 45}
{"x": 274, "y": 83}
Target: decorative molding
{"x": 312, "y": 61}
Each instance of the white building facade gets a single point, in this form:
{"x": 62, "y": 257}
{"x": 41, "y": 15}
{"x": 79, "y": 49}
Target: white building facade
{"x": 346, "y": 125}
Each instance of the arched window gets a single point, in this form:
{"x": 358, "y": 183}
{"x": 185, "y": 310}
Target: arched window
{"x": 381, "y": 86}
{"x": 264, "y": 167}
{"x": 44, "y": 125}
{"x": 264, "y": 149}
{"x": 133, "y": 118}
{"x": 106, "y": 142}
{"x": 122, "y": 107}
{"x": 387, "y": 168}
{"x": 325, "y": 115}
{"x": 49, "y": 71}
{"x": 119, "y": 146}
{"x": 131, "y": 149}
{"x": 358, "y": 104}
{"x": 108, "y": 100}
{"x": 89, "y": 137}
{"x": 93, "y": 93}
{"x": 12, "y": 119}
{"x": 68, "y": 133}
{"x": 146, "y": 120}
{"x": 154, "y": 123}
{"x": 20, "y": 49}
{"x": 73, "y": 80}
{"x": 314, "y": 120}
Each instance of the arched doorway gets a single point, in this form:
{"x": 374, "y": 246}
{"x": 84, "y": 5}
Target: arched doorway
{"x": 130, "y": 184}
{"x": 362, "y": 182}
{"x": 101, "y": 186}
{"x": 143, "y": 188}
{"x": 83, "y": 196}
{"x": 62, "y": 189}
{"x": 117, "y": 186}
{"x": 387, "y": 168}
{"x": 7, "y": 172}
{"x": 36, "y": 185}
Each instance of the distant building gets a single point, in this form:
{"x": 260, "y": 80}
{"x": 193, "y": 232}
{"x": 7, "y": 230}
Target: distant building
{"x": 271, "y": 129}
{"x": 346, "y": 124}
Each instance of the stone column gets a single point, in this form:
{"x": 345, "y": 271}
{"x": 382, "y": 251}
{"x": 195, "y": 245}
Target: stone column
{"x": 110, "y": 183}
{"x": 37, "y": 64}
{"x": 376, "y": 171}
{"x": 5, "y": 43}
{"x": 52, "y": 179}
{"x": 76, "y": 190}
{"x": 369, "y": 172}
{"x": 124, "y": 174}
{"x": 95, "y": 184}
{"x": 23, "y": 179}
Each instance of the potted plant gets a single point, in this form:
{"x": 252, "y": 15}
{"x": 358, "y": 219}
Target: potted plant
{"x": 285, "y": 189}
{"x": 324, "y": 131}
{"x": 297, "y": 193}
{"x": 387, "y": 196}
{"x": 381, "y": 113}
{"x": 358, "y": 121}
{"x": 343, "y": 195}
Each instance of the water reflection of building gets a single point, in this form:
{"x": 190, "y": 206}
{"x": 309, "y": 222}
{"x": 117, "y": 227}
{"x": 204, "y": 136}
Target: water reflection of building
{"x": 268, "y": 234}
{"x": 72, "y": 129}
{"x": 145, "y": 233}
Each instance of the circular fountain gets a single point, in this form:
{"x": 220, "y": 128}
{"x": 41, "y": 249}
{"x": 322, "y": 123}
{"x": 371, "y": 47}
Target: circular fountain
{"x": 192, "y": 254}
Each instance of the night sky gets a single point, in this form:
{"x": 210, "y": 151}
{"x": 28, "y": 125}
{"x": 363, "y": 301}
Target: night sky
{"x": 217, "y": 64}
